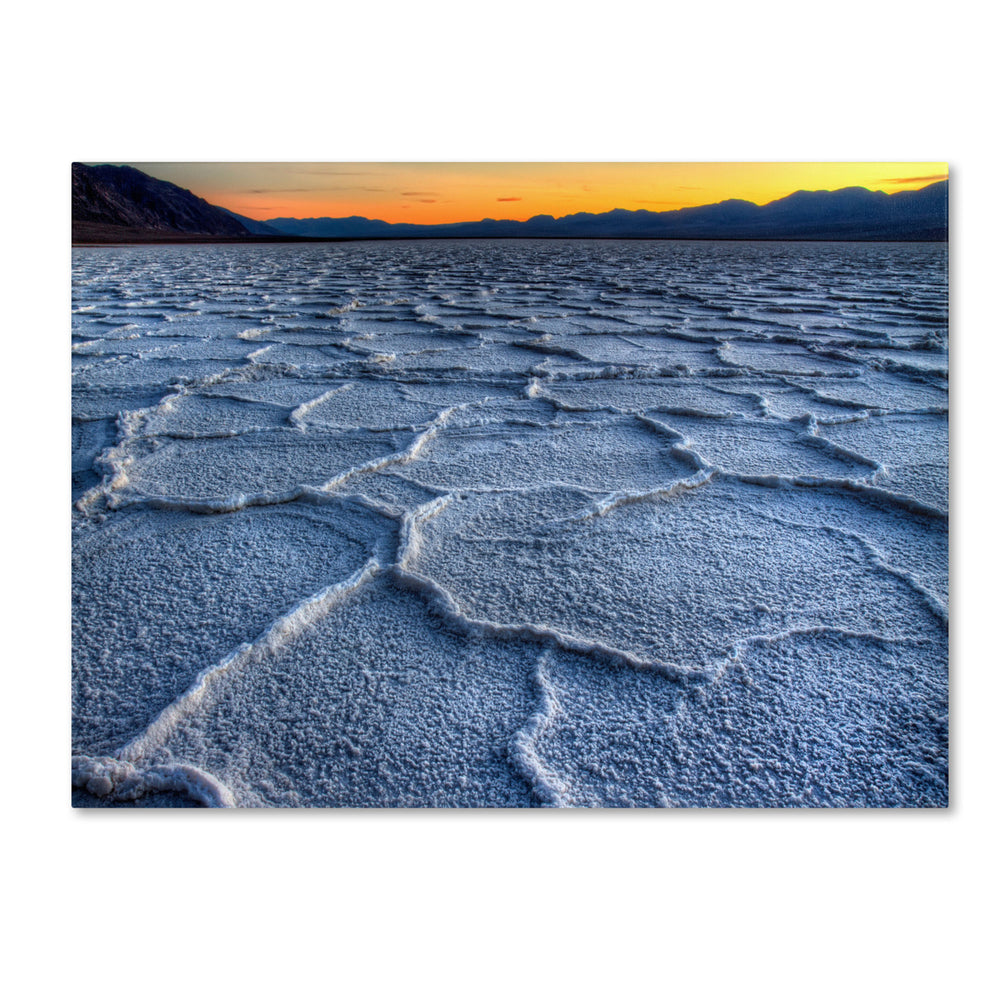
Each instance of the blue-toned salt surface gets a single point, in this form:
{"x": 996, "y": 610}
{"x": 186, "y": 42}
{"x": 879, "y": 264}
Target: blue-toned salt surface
{"x": 511, "y": 523}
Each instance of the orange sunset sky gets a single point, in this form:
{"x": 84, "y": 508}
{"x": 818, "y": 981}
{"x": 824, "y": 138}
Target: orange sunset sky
{"x": 460, "y": 192}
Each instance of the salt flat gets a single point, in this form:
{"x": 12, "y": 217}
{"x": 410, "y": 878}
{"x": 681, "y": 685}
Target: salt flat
{"x": 511, "y": 523}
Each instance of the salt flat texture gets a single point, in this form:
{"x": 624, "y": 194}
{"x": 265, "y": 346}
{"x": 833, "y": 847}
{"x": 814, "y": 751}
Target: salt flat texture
{"x": 511, "y": 523}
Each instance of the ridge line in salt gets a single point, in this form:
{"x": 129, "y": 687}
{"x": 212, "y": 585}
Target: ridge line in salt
{"x": 445, "y": 605}
{"x": 780, "y": 481}
{"x": 545, "y": 785}
{"x": 286, "y": 627}
{"x": 875, "y": 557}
{"x": 738, "y": 649}
{"x": 121, "y": 781}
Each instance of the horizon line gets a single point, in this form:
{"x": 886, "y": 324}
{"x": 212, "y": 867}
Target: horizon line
{"x": 558, "y": 218}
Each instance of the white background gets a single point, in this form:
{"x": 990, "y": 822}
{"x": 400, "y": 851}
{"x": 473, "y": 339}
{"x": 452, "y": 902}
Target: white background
{"x": 116, "y": 904}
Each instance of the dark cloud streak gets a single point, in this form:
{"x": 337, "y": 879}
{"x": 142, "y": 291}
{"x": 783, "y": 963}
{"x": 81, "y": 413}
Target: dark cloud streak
{"x": 306, "y": 190}
{"x": 912, "y": 180}
{"x": 333, "y": 173}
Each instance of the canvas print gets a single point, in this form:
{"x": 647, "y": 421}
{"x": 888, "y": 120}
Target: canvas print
{"x": 510, "y": 485}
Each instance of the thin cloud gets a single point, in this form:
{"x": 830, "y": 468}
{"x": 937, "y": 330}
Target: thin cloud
{"x": 427, "y": 201}
{"x": 913, "y": 180}
{"x": 307, "y": 190}
{"x": 325, "y": 172}
{"x": 510, "y": 199}
{"x": 420, "y": 194}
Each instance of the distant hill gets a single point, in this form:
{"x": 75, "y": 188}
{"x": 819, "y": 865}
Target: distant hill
{"x": 848, "y": 214}
{"x": 253, "y": 226}
{"x": 122, "y": 204}
{"x": 111, "y": 201}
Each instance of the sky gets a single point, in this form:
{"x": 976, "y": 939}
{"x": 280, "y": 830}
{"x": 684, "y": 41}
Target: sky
{"x": 431, "y": 193}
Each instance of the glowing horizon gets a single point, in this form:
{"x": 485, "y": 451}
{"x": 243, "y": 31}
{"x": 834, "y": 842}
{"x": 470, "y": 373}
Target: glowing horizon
{"x": 435, "y": 193}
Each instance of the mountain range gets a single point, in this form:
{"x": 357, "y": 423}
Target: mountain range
{"x": 122, "y": 204}
{"x": 113, "y": 201}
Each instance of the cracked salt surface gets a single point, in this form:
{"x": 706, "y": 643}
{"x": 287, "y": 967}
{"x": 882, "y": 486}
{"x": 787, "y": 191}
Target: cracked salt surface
{"x": 510, "y": 524}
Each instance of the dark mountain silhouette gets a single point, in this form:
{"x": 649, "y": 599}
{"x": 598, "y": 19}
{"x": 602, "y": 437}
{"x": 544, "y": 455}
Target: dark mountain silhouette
{"x": 111, "y": 201}
{"x": 853, "y": 213}
{"x": 122, "y": 204}
{"x": 352, "y": 227}
{"x": 253, "y": 226}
